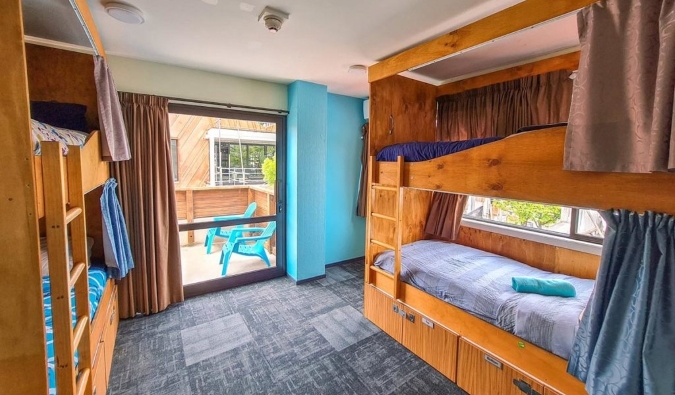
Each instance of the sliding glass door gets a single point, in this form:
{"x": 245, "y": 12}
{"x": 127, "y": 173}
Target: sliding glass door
{"x": 228, "y": 172}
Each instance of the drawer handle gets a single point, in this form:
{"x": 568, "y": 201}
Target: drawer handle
{"x": 428, "y": 322}
{"x": 112, "y": 317}
{"x": 493, "y": 361}
{"x": 524, "y": 387}
{"x": 398, "y": 311}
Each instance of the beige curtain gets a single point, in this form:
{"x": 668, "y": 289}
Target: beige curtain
{"x": 622, "y": 107}
{"x": 149, "y": 205}
{"x": 362, "y": 203}
{"x": 495, "y": 110}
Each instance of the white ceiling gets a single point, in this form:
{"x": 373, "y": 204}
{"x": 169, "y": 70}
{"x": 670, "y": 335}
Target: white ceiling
{"x": 318, "y": 43}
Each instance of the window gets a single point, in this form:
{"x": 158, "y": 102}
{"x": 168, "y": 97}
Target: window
{"x": 174, "y": 159}
{"x": 579, "y": 224}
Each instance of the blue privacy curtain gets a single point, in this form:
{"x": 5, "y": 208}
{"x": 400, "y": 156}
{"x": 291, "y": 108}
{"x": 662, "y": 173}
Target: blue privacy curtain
{"x": 626, "y": 340}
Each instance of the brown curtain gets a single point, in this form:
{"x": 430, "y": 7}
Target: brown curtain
{"x": 361, "y": 205}
{"x": 495, "y": 110}
{"x": 149, "y": 205}
{"x": 622, "y": 107}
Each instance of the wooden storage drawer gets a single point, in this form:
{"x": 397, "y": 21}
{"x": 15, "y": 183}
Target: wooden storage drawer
{"x": 379, "y": 308}
{"x": 111, "y": 332}
{"x": 480, "y": 373}
{"x": 100, "y": 377}
{"x": 434, "y": 344}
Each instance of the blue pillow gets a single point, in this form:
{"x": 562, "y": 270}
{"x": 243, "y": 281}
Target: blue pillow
{"x": 61, "y": 115}
{"x": 543, "y": 287}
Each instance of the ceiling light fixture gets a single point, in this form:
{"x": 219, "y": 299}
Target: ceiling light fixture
{"x": 124, "y": 12}
{"x": 357, "y": 69}
{"x": 273, "y": 19}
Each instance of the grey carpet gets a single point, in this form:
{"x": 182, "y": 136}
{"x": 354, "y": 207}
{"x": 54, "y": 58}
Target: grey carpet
{"x": 269, "y": 338}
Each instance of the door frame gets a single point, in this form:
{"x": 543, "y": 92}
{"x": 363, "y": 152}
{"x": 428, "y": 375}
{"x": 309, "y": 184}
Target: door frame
{"x": 223, "y": 283}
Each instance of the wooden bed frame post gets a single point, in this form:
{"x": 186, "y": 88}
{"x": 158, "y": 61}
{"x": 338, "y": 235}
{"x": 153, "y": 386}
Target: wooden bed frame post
{"x": 399, "y": 230}
{"x": 369, "y": 211}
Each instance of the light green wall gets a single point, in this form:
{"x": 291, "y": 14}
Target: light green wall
{"x": 140, "y": 76}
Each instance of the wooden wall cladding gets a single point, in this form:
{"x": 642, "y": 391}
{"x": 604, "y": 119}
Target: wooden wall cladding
{"x": 416, "y": 204}
{"x": 92, "y": 207}
{"x": 63, "y": 76}
{"x": 407, "y": 105}
{"x": 542, "y": 256}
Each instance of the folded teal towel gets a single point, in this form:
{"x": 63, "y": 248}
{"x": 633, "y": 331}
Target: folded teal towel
{"x": 543, "y": 287}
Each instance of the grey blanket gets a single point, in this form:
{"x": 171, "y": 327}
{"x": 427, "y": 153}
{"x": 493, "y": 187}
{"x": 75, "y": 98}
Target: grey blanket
{"x": 480, "y": 283}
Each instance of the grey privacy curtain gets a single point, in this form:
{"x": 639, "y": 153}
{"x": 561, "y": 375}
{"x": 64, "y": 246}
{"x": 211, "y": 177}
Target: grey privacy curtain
{"x": 115, "y": 144}
{"x": 149, "y": 204}
{"x": 622, "y": 107}
{"x": 626, "y": 340}
{"x": 495, "y": 110}
{"x": 361, "y": 206}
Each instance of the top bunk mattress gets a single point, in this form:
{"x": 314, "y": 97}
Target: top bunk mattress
{"x": 419, "y": 151}
{"x": 479, "y": 282}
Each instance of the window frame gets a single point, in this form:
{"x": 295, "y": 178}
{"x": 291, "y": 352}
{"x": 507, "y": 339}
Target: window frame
{"x": 175, "y": 158}
{"x": 573, "y": 233}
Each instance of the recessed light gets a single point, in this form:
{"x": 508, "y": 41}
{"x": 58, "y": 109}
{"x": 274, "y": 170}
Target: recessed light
{"x": 124, "y": 12}
{"x": 357, "y": 69}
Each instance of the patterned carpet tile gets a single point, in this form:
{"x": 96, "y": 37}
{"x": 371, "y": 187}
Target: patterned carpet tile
{"x": 269, "y": 338}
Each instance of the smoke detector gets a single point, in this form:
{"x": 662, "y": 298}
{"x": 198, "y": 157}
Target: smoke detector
{"x": 273, "y": 19}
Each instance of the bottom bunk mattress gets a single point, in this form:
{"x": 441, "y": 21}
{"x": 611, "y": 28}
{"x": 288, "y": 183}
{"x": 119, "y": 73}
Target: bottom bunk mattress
{"x": 98, "y": 278}
{"x": 479, "y": 282}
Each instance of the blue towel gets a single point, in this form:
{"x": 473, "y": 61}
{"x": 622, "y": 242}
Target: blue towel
{"x": 543, "y": 287}
{"x": 115, "y": 237}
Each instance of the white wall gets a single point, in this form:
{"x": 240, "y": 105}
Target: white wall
{"x": 140, "y": 76}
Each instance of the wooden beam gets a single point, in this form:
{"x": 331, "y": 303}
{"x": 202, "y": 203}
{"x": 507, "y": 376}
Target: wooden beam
{"x": 568, "y": 61}
{"x": 82, "y": 9}
{"x": 23, "y": 368}
{"x": 520, "y": 16}
{"x": 529, "y": 166}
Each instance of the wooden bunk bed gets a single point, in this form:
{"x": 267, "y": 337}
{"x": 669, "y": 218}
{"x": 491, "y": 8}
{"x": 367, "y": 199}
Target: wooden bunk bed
{"x": 56, "y": 196}
{"x": 480, "y": 357}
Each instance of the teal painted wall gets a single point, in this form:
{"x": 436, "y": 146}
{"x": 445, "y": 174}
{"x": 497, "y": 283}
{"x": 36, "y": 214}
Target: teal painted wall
{"x": 345, "y": 231}
{"x": 306, "y": 175}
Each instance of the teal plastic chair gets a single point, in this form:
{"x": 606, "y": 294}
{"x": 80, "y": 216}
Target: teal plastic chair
{"x": 225, "y": 233}
{"x": 247, "y": 245}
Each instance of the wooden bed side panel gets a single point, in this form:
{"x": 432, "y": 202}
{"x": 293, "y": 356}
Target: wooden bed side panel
{"x": 542, "y": 256}
{"x": 416, "y": 203}
{"x": 22, "y": 337}
{"x": 537, "y": 363}
{"x": 95, "y": 171}
{"x": 63, "y": 76}
{"x": 407, "y": 105}
{"x": 528, "y": 166}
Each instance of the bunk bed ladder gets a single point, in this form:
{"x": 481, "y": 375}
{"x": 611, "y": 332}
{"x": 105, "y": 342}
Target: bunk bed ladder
{"x": 396, "y": 220}
{"x": 64, "y": 207}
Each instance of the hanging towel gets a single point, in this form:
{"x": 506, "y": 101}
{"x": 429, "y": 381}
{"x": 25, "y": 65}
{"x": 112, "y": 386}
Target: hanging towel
{"x": 115, "y": 142}
{"x": 116, "y": 246}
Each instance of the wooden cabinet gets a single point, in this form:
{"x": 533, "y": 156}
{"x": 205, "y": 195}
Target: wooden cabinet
{"x": 480, "y": 373}
{"x": 433, "y": 343}
{"x": 379, "y": 308}
{"x": 100, "y": 383}
{"x": 103, "y": 336}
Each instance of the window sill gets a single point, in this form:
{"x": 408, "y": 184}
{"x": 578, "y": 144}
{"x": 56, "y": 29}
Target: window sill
{"x": 576, "y": 245}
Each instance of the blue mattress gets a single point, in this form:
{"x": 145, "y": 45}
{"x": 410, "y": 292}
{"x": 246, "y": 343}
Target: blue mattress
{"x": 97, "y": 280}
{"x": 420, "y": 151}
{"x": 480, "y": 283}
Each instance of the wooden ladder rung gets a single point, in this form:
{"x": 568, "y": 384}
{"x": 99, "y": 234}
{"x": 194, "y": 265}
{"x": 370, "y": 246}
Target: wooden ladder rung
{"x": 382, "y": 272}
{"x": 82, "y": 381}
{"x": 75, "y": 273}
{"x": 383, "y": 187}
{"x": 382, "y": 244}
{"x": 388, "y": 218}
{"x": 80, "y": 327}
{"x": 72, "y": 214}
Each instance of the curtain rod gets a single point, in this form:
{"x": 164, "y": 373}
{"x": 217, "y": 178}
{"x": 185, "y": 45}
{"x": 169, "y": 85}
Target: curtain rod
{"x": 227, "y": 105}
{"x": 87, "y": 32}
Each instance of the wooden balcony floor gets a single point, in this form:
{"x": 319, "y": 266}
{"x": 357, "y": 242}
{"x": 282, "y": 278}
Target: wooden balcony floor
{"x": 198, "y": 266}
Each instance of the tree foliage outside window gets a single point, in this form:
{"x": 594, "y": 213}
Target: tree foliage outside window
{"x": 524, "y": 213}
{"x": 269, "y": 170}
